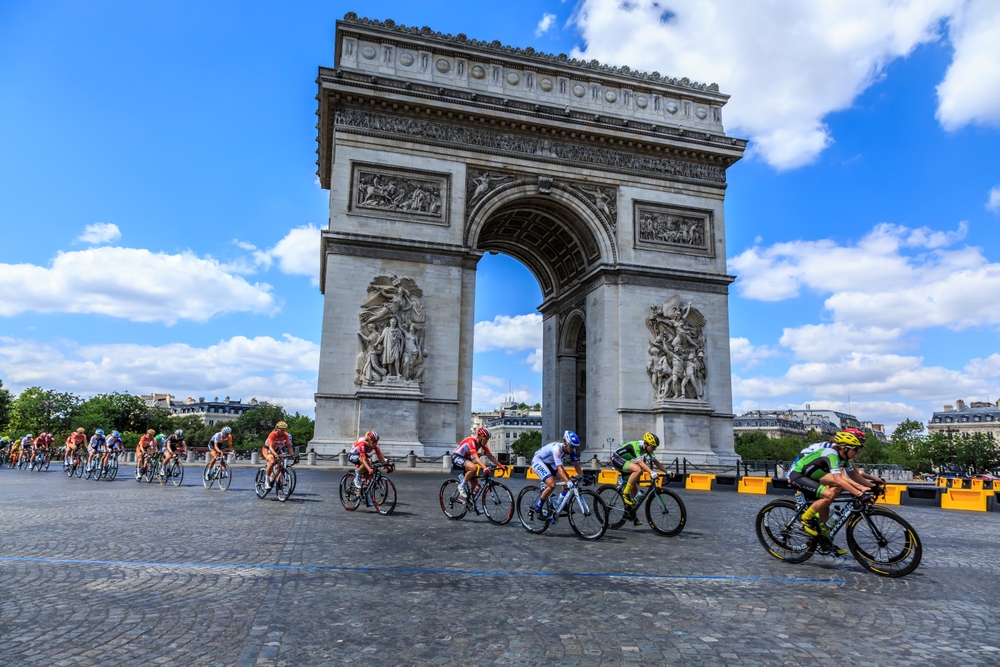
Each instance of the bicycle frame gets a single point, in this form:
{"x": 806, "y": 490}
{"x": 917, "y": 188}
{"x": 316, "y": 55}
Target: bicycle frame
{"x": 572, "y": 495}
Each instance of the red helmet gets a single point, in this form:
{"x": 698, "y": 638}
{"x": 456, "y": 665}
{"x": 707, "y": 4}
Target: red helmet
{"x": 859, "y": 434}
{"x": 371, "y": 436}
{"x": 483, "y": 432}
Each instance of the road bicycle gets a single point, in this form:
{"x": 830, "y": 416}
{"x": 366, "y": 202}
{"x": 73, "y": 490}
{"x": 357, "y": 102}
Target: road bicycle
{"x": 98, "y": 471}
{"x": 377, "y": 490}
{"x": 878, "y": 538}
{"x": 72, "y": 465}
{"x": 172, "y": 471}
{"x": 495, "y": 499}
{"x": 40, "y": 461}
{"x": 150, "y": 468}
{"x": 587, "y": 513}
{"x": 218, "y": 471}
{"x": 284, "y": 483}
{"x": 665, "y": 511}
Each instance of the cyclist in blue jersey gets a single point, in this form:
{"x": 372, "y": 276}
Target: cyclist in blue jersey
{"x": 548, "y": 465}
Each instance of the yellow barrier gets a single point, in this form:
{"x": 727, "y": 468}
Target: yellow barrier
{"x": 699, "y": 482}
{"x": 965, "y": 499}
{"x": 531, "y": 474}
{"x": 976, "y": 484}
{"x": 892, "y": 494}
{"x": 644, "y": 480}
{"x": 941, "y": 481}
{"x": 754, "y": 485}
{"x": 608, "y": 477}
{"x": 957, "y": 482}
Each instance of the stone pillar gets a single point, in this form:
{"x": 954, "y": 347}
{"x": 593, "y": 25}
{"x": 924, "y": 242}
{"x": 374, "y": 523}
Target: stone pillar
{"x": 190, "y": 455}
{"x": 312, "y": 457}
{"x": 254, "y": 457}
{"x": 411, "y": 460}
{"x": 231, "y": 458}
{"x": 342, "y": 459}
{"x": 445, "y": 463}
{"x": 521, "y": 461}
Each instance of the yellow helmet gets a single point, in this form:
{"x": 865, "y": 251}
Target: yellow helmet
{"x": 651, "y": 440}
{"x": 846, "y": 439}
{"x": 281, "y": 426}
{"x": 81, "y": 430}
{"x": 151, "y": 432}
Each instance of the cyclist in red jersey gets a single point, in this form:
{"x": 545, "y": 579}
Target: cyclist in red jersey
{"x": 466, "y": 457}
{"x": 278, "y": 439}
{"x": 361, "y": 453}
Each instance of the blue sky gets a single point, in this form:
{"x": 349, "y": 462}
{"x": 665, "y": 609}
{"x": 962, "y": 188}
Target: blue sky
{"x": 181, "y": 134}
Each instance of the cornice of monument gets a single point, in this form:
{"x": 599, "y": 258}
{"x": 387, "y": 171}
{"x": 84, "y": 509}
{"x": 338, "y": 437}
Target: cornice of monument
{"x": 496, "y": 49}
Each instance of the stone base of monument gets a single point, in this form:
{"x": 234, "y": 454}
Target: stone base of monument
{"x": 393, "y": 409}
{"x": 685, "y": 430}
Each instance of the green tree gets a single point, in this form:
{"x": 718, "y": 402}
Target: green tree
{"x": 526, "y": 444}
{"x": 251, "y": 428}
{"x": 5, "y": 405}
{"x": 36, "y": 410}
{"x": 117, "y": 411}
{"x": 301, "y": 428}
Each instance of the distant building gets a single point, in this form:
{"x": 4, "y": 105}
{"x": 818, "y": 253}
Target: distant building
{"x": 506, "y": 423}
{"x": 979, "y": 417}
{"x": 877, "y": 429}
{"x": 771, "y": 424}
{"x": 209, "y": 412}
{"x": 815, "y": 418}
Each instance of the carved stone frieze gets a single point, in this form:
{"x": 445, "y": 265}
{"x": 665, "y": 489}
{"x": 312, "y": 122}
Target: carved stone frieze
{"x": 604, "y": 199}
{"x": 391, "y": 332}
{"x": 676, "y": 365}
{"x": 479, "y": 183}
{"x": 674, "y": 229}
{"x": 417, "y": 196}
{"x": 476, "y": 138}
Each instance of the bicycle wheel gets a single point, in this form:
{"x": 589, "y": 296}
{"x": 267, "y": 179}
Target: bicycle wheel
{"x": 78, "y": 467}
{"x": 178, "y": 474}
{"x": 616, "y": 506}
{"x": 780, "y": 532}
{"x": 384, "y": 496}
{"x": 208, "y": 476}
{"x": 165, "y": 471}
{"x": 498, "y": 504}
{"x": 149, "y": 471}
{"x": 295, "y": 478}
{"x": 591, "y": 521}
{"x": 665, "y": 512}
{"x": 883, "y": 542}
{"x": 283, "y": 488}
{"x": 226, "y": 477}
{"x": 530, "y": 518}
{"x": 452, "y": 503}
{"x": 98, "y": 471}
{"x": 112, "y": 469}
{"x": 258, "y": 483}
{"x": 350, "y": 495}
{"x": 68, "y": 468}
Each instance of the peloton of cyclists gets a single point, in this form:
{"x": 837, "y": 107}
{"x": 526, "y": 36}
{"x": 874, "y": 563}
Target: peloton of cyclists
{"x": 360, "y": 454}
{"x": 548, "y": 465}
{"x": 467, "y": 456}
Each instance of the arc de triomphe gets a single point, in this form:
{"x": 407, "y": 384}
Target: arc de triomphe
{"x": 607, "y": 184}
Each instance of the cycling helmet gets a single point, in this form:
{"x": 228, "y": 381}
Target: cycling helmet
{"x": 860, "y": 434}
{"x": 151, "y": 432}
{"x": 571, "y": 439}
{"x": 281, "y": 426}
{"x": 116, "y": 434}
{"x": 81, "y": 430}
{"x": 99, "y": 431}
{"x": 483, "y": 432}
{"x": 371, "y": 436}
{"x": 226, "y": 430}
{"x": 847, "y": 440}
{"x": 651, "y": 440}
{"x": 179, "y": 433}
{"x": 29, "y": 436}
{"x": 159, "y": 439}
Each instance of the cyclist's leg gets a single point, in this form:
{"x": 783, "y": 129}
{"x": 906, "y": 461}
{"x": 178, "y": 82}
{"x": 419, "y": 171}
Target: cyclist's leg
{"x": 470, "y": 473}
{"x": 634, "y": 472}
{"x": 547, "y": 476}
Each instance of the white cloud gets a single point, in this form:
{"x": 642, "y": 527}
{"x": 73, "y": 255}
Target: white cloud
{"x": 970, "y": 92}
{"x": 993, "y": 203}
{"x": 486, "y": 395}
{"x": 297, "y": 254}
{"x": 100, "y": 232}
{"x": 829, "y": 342}
{"x": 544, "y": 24}
{"x": 520, "y": 332}
{"x": 131, "y": 283}
{"x": 787, "y": 66}
{"x": 535, "y": 359}
{"x": 743, "y": 353}
{"x": 261, "y": 367}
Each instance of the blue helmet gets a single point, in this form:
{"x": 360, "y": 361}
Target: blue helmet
{"x": 116, "y": 434}
{"x": 571, "y": 439}
{"x": 99, "y": 431}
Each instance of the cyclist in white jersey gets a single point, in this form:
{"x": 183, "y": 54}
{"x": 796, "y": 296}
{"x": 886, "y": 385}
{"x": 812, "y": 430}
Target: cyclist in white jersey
{"x": 548, "y": 464}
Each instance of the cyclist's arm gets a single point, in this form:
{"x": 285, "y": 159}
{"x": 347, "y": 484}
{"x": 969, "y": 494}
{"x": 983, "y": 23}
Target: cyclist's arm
{"x": 859, "y": 478}
{"x": 847, "y": 484}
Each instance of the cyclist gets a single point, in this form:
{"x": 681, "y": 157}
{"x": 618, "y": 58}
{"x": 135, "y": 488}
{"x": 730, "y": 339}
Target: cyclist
{"x": 821, "y": 474}
{"x": 15, "y": 452}
{"x": 215, "y": 444}
{"x": 174, "y": 442}
{"x": 634, "y": 458}
{"x": 75, "y": 442}
{"x": 277, "y": 440}
{"x": 95, "y": 446}
{"x": 548, "y": 461}
{"x": 360, "y": 453}
{"x": 42, "y": 443}
{"x": 4, "y": 446}
{"x": 113, "y": 444}
{"x": 467, "y": 456}
{"x": 28, "y": 447}
{"x": 146, "y": 444}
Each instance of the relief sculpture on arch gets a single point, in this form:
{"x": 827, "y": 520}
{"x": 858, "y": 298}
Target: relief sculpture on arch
{"x": 392, "y": 321}
{"x": 676, "y": 365}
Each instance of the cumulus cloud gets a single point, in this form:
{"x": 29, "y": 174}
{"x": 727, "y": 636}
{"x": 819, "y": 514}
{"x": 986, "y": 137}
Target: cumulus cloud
{"x": 790, "y": 66}
{"x": 487, "y": 394}
{"x": 100, "y": 232}
{"x": 131, "y": 283}
{"x": 297, "y": 254}
{"x": 544, "y": 24}
{"x": 993, "y": 200}
{"x": 743, "y": 353}
{"x": 278, "y": 370}
{"x": 970, "y": 91}
{"x": 520, "y": 332}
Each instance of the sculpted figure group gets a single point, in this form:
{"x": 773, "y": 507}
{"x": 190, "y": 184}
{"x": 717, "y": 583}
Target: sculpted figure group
{"x": 392, "y": 332}
{"x": 676, "y": 364}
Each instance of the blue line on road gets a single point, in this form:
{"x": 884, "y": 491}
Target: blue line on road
{"x": 411, "y": 570}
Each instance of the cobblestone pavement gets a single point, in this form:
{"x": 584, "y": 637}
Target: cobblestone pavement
{"x": 185, "y": 576}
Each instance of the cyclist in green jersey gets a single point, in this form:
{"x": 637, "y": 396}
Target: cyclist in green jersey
{"x": 634, "y": 458}
{"x": 821, "y": 474}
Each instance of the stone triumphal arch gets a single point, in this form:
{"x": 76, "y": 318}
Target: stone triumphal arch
{"x": 607, "y": 184}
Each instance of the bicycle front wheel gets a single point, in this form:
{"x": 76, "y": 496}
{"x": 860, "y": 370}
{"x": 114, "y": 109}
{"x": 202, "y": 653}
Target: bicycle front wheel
{"x": 780, "y": 532}
{"x": 588, "y": 515}
{"x": 295, "y": 478}
{"x": 258, "y": 484}
{"x": 284, "y": 486}
{"x": 178, "y": 474}
{"x": 532, "y": 519}
{"x": 384, "y": 496}
{"x": 452, "y": 503}
{"x": 883, "y": 542}
{"x": 208, "y": 476}
{"x": 665, "y": 512}
{"x": 112, "y": 470}
{"x": 78, "y": 467}
{"x": 616, "y": 506}
{"x": 498, "y": 504}
{"x": 350, "y": 495}
{"x": 226, "y": 477}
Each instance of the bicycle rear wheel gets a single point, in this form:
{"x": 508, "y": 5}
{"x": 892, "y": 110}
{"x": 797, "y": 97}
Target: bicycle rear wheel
{"x": 591, "y": 522}
{"x": 208, "y": 476}
{"x": 780, "y": 532}
{"x": 283, "y": 490}
{"x": 616, "y": 506}
{"x": 498, "y": 504}
{"x": 665, "y": 512}
{"x": 78, "y": 467}
{"x": 226, "y": 477}
{"x": 112, "y": 469}
{"x": 295, "y": 479}
{"x": 884, "y": 543}
{"x": 452, "y": 503}
{"x": 384, "y": 496}
{"x": 530, "y": 518}
{"x": 350, "y": 495}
